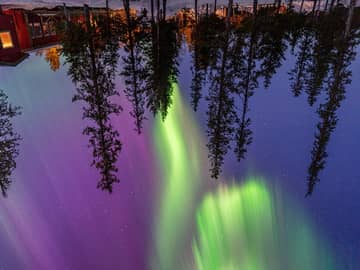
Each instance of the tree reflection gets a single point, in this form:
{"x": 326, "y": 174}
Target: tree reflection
{"x": 205, "y": 48}
{"x": 162, "y": 65}
{"x": 298, "y": 75}
{"x": 321, "y": 55}
{"x": 91, "y": 50}
{"x": 51, "y": 56}
{"x": 257, "y": 48}
{"x": 248, "y": 82}
{"x": 272, "y": 45}
{"x": 221, "y": 112}
{"x": 340, "y": 75}
{"x": 134, "y": 68}
{"x": 9, "y": 142}
{"x": 230, "y": 55}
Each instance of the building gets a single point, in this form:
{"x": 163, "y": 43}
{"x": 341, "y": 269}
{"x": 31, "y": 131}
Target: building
{"x": 23, "y": 30}
{"x": 11, "y": 52}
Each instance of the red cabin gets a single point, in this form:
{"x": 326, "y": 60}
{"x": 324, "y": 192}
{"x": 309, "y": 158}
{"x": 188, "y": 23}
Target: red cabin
{"x": 23, "y": 30}
{"x": 10, "y": 49}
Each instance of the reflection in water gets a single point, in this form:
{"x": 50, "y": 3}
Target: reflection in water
{"x": 249, "y": 227}
{"x": 236, "y": 227}
{"x": 177, "y": 143}
{"x": 52, "y": 56}
{"x": 221, "y": 112}
{"x": 91, "y": 50}
{"x": 230, "y": 56}
{"x": 341, "y": 57}
{"x": 9, "y": 142}
{"x": 134, "y": 69}
{"x": 162, "y": 65}
{"x": 257, "y": 48}
{"x": 298, "y": 75}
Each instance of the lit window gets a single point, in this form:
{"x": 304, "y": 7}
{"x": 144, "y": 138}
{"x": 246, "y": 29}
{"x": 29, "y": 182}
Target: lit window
{"x": 6, "y": 40}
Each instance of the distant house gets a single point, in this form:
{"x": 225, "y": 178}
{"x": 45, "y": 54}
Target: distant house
{"x": 23, "y": 30}
{"x": 11, "y": 52}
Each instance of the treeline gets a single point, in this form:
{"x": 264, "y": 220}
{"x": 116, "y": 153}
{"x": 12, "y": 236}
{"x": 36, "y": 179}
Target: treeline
{"x": 231, "y": 57}
{"x": 232, "y": 60}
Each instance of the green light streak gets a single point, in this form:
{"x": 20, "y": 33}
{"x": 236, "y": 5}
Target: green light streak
{"x": 236, "y": 228}
{"x": 179, "y": 160}
{"x": 241, "y": 228}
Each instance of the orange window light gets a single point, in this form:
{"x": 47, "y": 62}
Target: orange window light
{"x": 6, "y": 40}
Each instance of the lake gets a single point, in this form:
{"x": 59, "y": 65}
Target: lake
{"x": 226, "y": 143}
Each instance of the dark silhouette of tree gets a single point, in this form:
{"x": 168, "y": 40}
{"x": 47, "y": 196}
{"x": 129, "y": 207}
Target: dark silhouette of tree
{"x": 208, "y": 39}
{"x": 272, "y": 45}
{"x": 255, "y": 7}
{"x": 248, "y": 82}
{"x": 152, "y": 11}
{"x": 331, "y": 7}
{"x": 196, "y": 10}
{"x": 158, "y": 11}
{"x": 221, "y": 112}
{"x": 9, "y": 142}
{"x": 91, "y": 51}
{"x": 205, "y": 44}
{"x": 299, "y": 74}
{"x": 164, "y": 2}
{"x": 340, "y": 75}
{"x": 302, "y": 5}
{"x": 296, "y": 23}
{"x": 134, "y": 69}
{"x": 198, "y": 73}
{"x": 321, "y": 55}
{"x": 161, "y": 62}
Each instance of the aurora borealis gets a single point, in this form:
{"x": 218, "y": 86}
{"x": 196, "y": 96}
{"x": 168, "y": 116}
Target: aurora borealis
{"x": 242, "y": 227}
{"x": 180, "y": 164}
{"x": 246, "y": 227}
{"x": 166, "y": 212}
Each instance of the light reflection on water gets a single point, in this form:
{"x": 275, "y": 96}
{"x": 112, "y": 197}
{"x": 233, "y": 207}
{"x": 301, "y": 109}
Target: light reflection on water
{"x": 54, "y": 185}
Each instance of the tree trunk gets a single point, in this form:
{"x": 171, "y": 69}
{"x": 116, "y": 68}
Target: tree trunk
{"x": 349, "y": 18}
{"x": 302, "y": 5}
{"x": 158, "y": 10}
{"x": 255, "y": 4}
{"x": 164, "y": 10}
{"x": 215, "y": 2}
{"x": 228, "y": 15}
{"x": 66, "y": 14}
{"x": 87, "y": 17}
{"x": 107, "y": 9}
{"x": 152, "y": 10}
{"x": 326, "y": 4}
{"x": 331, "y": 5}
{"x": 196, "y": 11}
{"x": 314, "y": 7}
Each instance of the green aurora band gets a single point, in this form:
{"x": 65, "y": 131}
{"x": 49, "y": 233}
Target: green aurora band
{"x": 243, "y": 227}
{"x": 178, "y": 153}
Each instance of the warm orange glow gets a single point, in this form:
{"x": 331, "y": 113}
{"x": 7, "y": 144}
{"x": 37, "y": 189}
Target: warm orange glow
{"x": 6, "y": 40}
{"x": 52, "y": 56}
